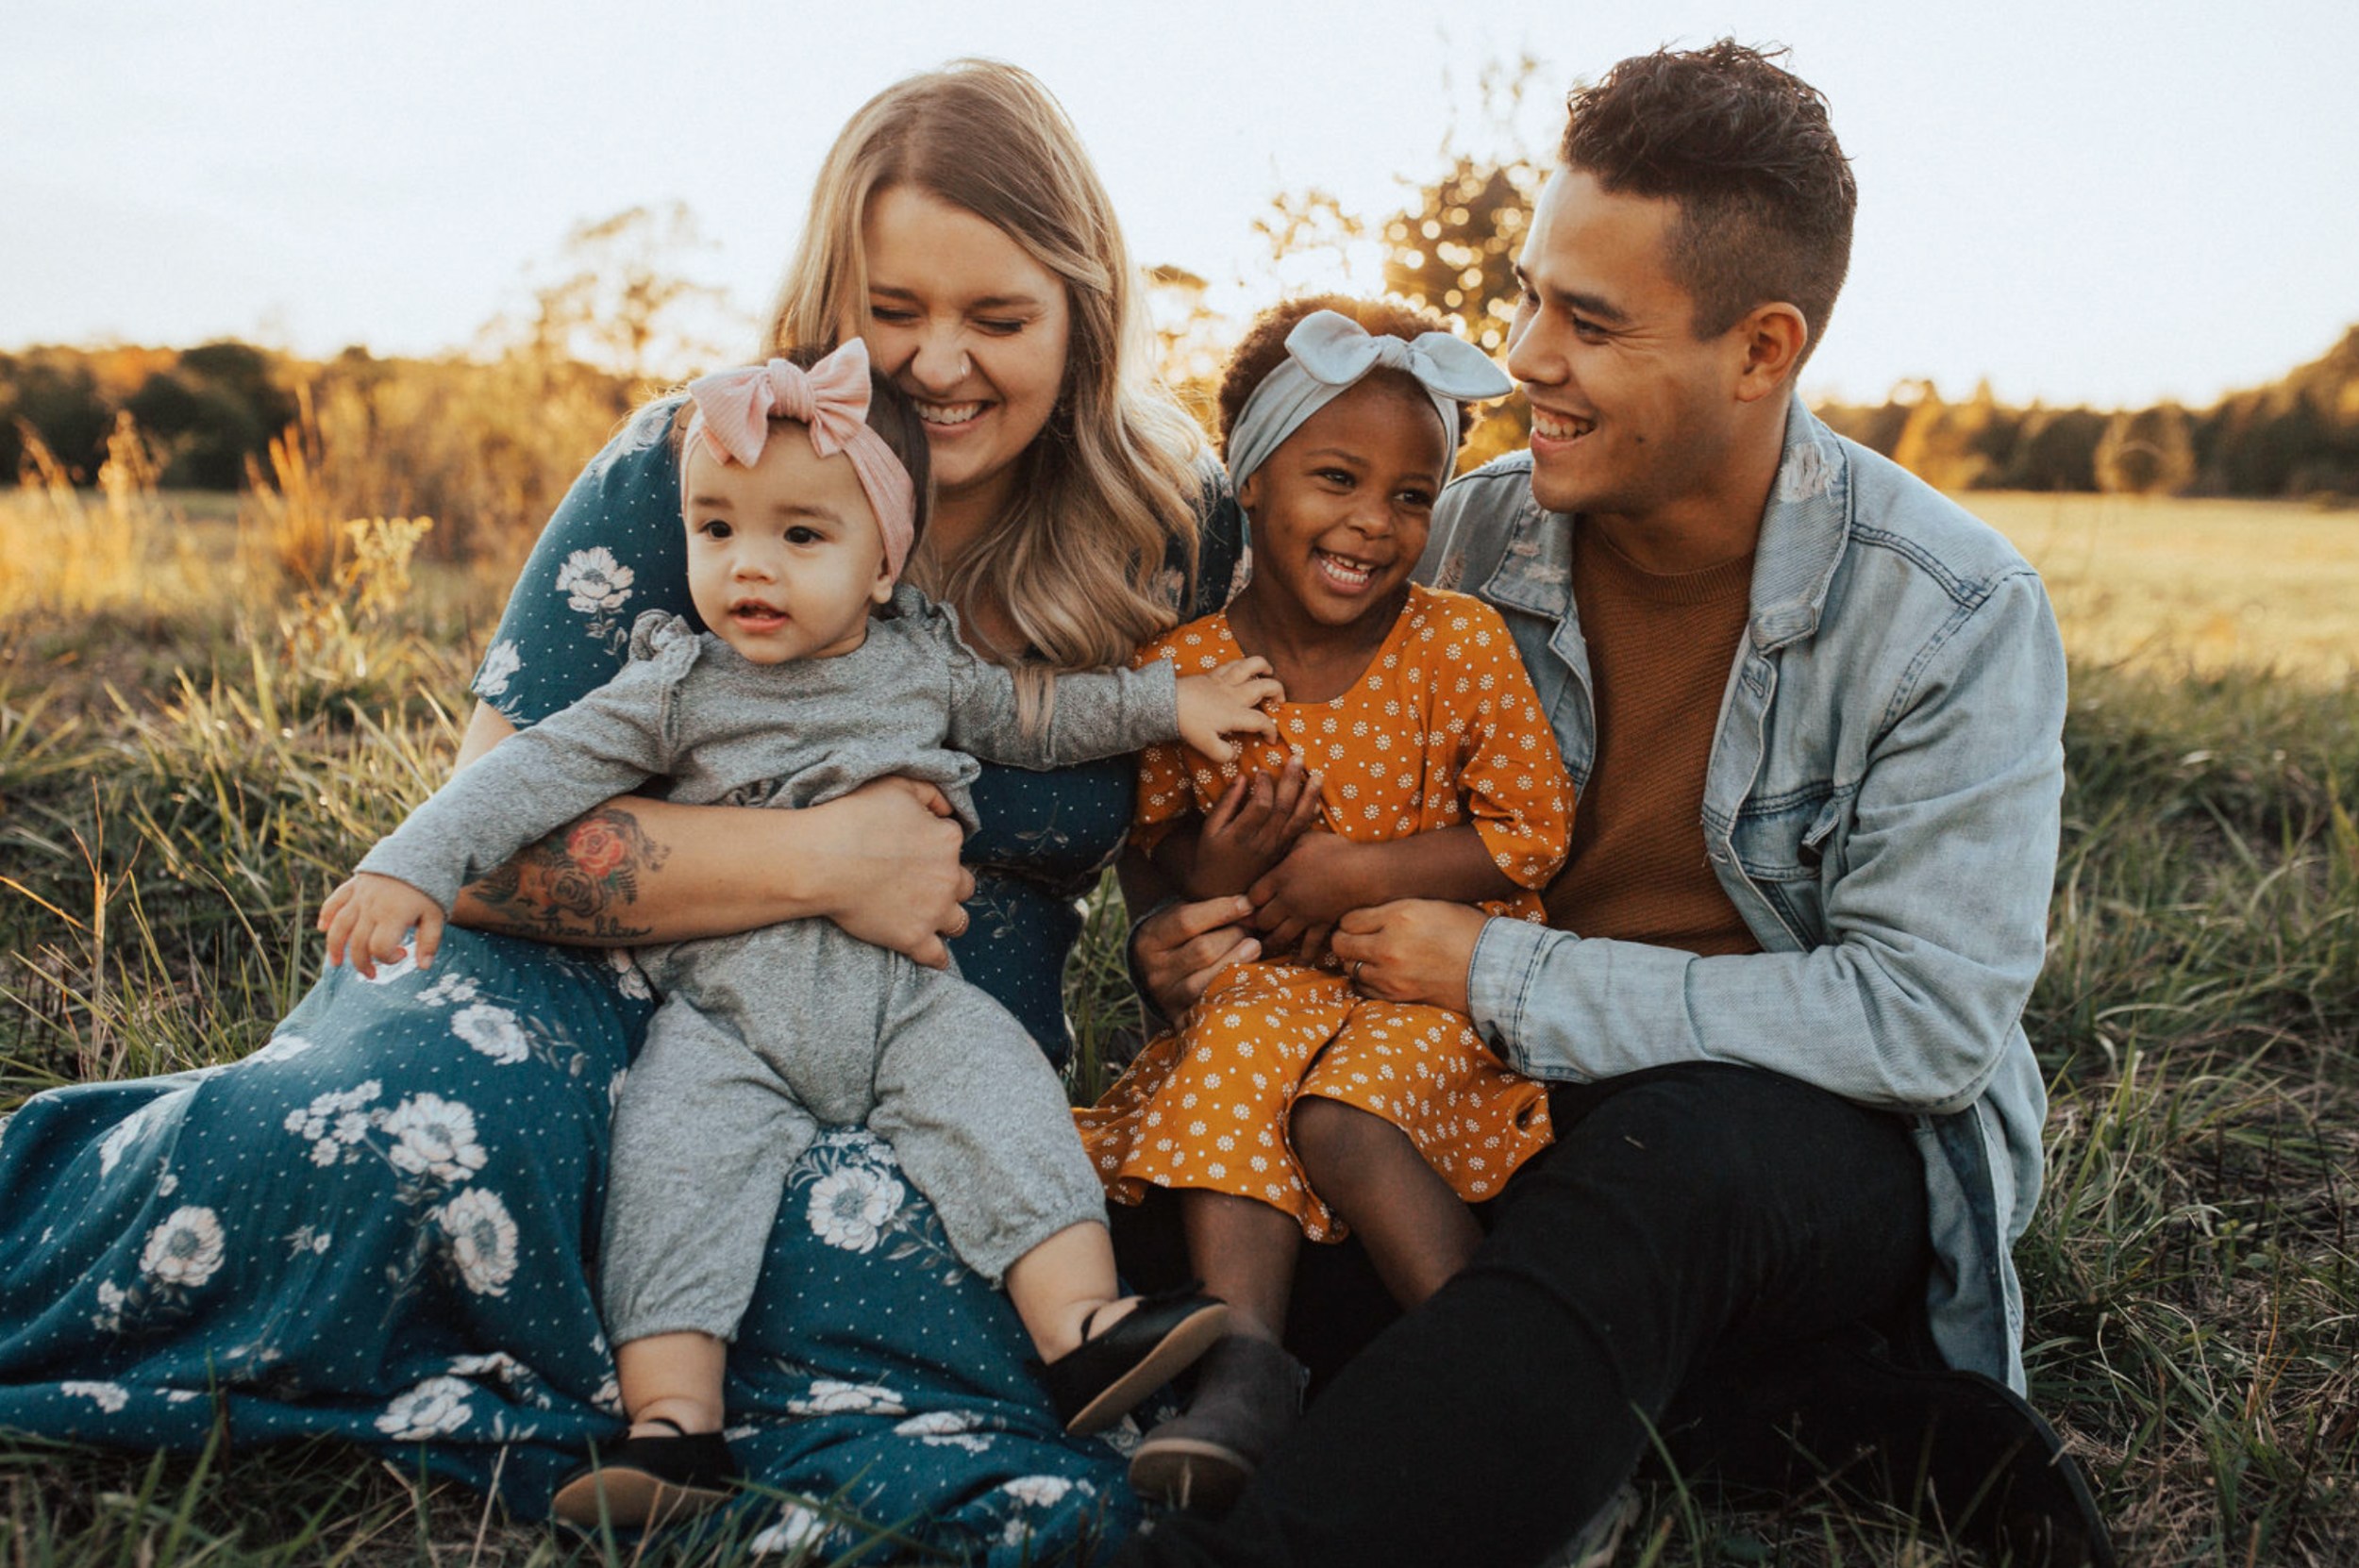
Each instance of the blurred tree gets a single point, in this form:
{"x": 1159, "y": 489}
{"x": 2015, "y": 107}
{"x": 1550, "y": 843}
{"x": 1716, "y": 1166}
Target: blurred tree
{"x": 1189, "y": 335}
{"x": 2054, "y": 449}
{"x": 622, "y": 306}
{"x": 1956, "y": 446}
{"x": 53, "y": 391}
{"x": 2146, "y": 452}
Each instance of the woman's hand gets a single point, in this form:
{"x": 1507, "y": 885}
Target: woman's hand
{"x": 1175, "y": 952}
{"x": 369, "y": 916}
{"x": 1411, "y": 950}
{"x": 1228, "y": 701}
{"x": 887, "y": 867}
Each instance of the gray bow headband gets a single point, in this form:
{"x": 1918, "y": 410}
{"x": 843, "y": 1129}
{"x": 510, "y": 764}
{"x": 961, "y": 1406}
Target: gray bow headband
{"x": 1327, "y": 355}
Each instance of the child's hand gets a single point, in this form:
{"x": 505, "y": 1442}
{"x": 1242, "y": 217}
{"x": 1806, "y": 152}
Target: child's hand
{"x": 1297, "y": 902}
{"x": 1228, "y": 702}
{"x": 370, "y": 915}
{"x": 1249, "y": 830}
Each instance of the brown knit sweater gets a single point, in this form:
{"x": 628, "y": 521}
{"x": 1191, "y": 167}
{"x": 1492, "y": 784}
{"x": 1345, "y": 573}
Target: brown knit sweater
{"x": 1660, "y": 650}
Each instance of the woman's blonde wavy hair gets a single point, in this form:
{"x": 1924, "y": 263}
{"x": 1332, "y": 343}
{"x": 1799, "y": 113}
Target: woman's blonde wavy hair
{"x": 1079, "y": 557}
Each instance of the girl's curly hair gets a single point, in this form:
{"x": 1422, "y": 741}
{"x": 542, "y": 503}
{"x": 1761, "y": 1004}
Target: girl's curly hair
{"x": 1264, "y": 345}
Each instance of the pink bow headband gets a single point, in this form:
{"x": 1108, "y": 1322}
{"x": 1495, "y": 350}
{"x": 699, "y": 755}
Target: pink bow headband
{"x": 732, "y": 415}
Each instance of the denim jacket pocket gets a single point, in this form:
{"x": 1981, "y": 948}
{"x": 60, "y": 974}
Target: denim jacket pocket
{"x": 1782, "y": 844}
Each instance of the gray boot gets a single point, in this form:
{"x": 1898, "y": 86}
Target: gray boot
{"x": 1249, "y": 1391}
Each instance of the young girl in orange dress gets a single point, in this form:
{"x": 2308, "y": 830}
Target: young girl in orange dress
{"x": 1413, "y": 761}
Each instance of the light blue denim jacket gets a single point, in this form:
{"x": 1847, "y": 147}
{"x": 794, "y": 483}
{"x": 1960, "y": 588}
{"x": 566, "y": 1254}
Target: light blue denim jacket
{"x": 1882, "y": 805}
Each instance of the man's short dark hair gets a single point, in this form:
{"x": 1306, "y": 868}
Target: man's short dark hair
{"x": 1745, "y": 149}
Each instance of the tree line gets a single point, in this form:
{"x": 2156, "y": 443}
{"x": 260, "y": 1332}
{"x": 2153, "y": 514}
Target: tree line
{"x": 210, "y": 414}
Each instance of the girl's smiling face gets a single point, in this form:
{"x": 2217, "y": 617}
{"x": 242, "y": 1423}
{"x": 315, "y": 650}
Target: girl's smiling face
{"x": 1341, "y": 509}
{"x": 785, "y": 558}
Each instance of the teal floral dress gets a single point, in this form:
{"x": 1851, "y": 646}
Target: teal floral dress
{"x": 383, "y": 1226}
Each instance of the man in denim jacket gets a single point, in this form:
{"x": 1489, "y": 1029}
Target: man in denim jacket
{"x": 1794, "y": 1097}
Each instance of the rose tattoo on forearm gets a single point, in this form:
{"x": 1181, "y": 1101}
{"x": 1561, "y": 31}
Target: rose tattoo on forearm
{"x": 575, "y": 885}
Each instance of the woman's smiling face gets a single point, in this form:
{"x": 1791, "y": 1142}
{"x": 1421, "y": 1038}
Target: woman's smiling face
{"x": 970, "y": 326}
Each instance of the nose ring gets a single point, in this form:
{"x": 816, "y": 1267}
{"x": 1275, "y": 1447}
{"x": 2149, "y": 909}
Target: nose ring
{"x": 966, "y": 367}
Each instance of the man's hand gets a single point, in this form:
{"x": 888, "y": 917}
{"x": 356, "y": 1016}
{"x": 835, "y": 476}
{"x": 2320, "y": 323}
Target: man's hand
{"x": 1411, "y": 950}
{"x": 1249, "y": 830}
{"x": 370, "y": 915}
{"x": 1177, "y": 951}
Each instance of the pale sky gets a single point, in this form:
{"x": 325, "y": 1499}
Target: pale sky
{"x": 2083, "y": 200}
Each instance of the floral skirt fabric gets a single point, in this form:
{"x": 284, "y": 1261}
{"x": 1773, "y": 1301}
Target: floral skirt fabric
{"x": 382, "y": 1227}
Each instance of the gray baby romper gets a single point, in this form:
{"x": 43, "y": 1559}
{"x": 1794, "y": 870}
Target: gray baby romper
{"x": 764, "y": 1037}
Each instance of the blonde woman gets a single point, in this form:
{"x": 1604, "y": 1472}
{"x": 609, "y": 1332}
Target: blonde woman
{"x": 379, "y": 1227}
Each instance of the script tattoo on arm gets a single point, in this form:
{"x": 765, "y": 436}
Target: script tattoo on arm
{"x": 577, "y": 885}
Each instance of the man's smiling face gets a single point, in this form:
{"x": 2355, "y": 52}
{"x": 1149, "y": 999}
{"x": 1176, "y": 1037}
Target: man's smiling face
{"x": 1631, "y": 411}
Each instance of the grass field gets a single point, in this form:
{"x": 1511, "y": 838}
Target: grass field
{"x": 2172, "y": 587}
{"x": 192, "y": 752}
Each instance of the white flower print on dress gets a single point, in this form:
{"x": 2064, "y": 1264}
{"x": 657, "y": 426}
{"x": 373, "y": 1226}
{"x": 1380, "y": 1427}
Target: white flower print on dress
{"x": 109, "y": 1397}
{"x": 829, "y": 1396}
{"x": 629, "y": 978}
{"x": 185, "y": 1250}
{"x": 111, "y": 1148}
{"x": 435, "y": 1407}
{"x": 849, "y": 1208}
{"x": 799, "y": 1529}
{"x": 1038, "y": 1492}
{"x": 283, "y": 1047}
{"x": 388, "y": 972}
{"x": 493, "y": 1031}
{"x": 593, "y": 580}
{"x": 500, "y": 663}
{"x": 946, "y": 1429}
{"x": 435, "y": 1137}
{"x": 333, "y": 1123}
{"x": 449, "y": 991}
{"x": 482, "y": 1239}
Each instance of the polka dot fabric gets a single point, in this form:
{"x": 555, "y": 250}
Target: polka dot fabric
{"x": 1442, "y": 728}
{"x": 1209, "y": 1105}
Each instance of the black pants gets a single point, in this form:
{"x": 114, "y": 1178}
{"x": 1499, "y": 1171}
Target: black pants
{"x": 1688, "y": 1219}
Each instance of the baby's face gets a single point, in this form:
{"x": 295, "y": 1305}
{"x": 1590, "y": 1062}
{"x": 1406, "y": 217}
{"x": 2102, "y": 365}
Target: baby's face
{"x": 784, "y": 558}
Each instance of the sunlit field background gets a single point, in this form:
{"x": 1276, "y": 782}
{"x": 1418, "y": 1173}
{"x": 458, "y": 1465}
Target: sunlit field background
{"x": 229, "y": 660}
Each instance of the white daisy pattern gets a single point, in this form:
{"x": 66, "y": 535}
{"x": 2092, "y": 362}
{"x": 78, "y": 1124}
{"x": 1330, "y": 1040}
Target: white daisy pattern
{"x": 499, "y": 665}
{"x": 594, "y": 581}
{"x": 435, "y": 1407}
{"x": 482, "y": 1239}
{"x": 493, "y": 1031}
{"x": 185, "y": 1249}
{"x": 109, "y": 1397}
{"x": 434, "y": 1137}
{"x": 798, "y": 1529}
{"x": 849, "y": 1208}
{"x": 831, "y": 1396}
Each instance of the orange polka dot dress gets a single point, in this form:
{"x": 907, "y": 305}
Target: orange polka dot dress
{"x": 1442, "y": 728}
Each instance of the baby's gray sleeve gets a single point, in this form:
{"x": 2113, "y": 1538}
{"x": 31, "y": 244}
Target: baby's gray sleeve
{"x": 1091, "y": 714}
{"x": 538, "y": 780}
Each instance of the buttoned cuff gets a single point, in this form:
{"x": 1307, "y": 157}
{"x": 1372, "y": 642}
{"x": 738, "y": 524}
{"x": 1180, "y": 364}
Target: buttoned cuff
{"x": 1500, "y": 978}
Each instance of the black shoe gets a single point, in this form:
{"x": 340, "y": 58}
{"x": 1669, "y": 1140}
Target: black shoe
{"x": 646, "y": 1482}
{"x": 1248, "y": 1394}
{"x": 1955, "y": 1449}
{"x": 1096, "y": 1383}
